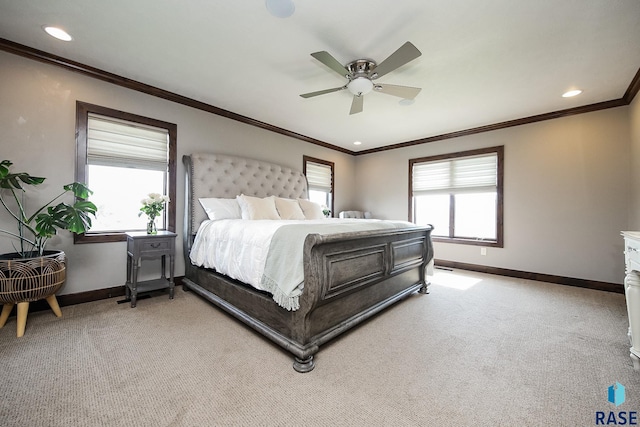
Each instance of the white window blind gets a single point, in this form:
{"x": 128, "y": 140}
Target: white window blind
{"x": 465, "y": 174}
{"x": 113, "y": 142}
{"x": 319, "y": 177}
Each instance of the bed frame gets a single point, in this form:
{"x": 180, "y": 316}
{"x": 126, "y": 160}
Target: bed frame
{"x": 348, "y": 277}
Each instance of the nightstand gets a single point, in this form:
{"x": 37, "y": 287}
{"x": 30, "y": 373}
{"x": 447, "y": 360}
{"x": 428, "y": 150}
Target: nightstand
{"x": 141, "y": 245}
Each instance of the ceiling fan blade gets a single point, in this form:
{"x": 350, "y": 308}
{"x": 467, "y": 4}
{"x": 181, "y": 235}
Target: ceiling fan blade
{"x": 406, "y": 53}
{"x": 331, "y": 62}
{"x": 322, "y": 92}
{"x": 405, "y": 92}
{"x": 356, "y": 104}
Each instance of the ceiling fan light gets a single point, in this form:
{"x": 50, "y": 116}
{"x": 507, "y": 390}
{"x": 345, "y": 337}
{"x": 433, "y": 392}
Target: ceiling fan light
{"x": 280, "y": 8}
{"x": 360, "y": 86}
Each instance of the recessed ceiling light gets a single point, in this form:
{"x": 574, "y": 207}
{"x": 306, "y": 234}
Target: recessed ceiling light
{"x": 571, "y": 93}
{"x": 405, "y": 102}
{"x": 58, "y": 33}
{"x": 280, "y": 8}
{"x": 357, "y": 143}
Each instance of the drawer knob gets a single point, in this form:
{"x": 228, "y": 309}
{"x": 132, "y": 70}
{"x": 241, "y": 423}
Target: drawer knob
{"x": 155, "y": 245}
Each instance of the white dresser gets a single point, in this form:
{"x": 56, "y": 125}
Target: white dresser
{"x": 632, "y": 291}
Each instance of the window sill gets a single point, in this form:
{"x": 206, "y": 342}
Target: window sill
{"x": 99, "y": 237}
{"x": 473, "y": 242}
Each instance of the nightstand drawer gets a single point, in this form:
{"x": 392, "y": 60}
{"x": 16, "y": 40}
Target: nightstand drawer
{"x": 156, "y": 245}
{"x": 632, "y": 250}
{"x": 632, "y": 253}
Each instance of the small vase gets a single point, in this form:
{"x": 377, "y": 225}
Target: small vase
{"x": 151, "y": 227}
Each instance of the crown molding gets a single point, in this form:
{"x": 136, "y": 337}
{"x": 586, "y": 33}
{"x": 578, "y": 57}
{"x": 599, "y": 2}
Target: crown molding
{"x": 503, "y": 125}
{"x": 633, "y": 89}
{"x": 38, "y": 55}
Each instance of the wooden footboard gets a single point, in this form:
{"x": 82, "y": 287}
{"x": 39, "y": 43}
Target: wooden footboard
{"x": 349, "y": 277}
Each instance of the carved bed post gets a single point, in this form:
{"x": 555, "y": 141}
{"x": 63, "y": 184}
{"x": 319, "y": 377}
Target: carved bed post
{"x": 187, "y": 238}
{"x": 423, "y": 271}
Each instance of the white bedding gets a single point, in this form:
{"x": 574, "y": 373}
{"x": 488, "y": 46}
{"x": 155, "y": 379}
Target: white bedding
{"x": 239, "y": 249}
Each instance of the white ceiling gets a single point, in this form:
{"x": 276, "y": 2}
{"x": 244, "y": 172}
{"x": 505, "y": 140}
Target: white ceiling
{"x": 483, "y": 62}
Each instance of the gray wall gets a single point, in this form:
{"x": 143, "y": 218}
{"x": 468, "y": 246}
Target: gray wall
{"x": 566, "y": 194}
{"x": 568, "y": 189}
{"x": 37, "y": 133}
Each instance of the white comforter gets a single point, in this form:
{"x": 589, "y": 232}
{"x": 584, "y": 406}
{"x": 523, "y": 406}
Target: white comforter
{"x": 239, "y": 249}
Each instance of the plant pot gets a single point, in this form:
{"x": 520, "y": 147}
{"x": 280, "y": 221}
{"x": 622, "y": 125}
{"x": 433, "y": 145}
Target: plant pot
{"x": 23, "y": 280}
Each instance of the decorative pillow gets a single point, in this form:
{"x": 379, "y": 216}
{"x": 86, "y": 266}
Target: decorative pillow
{"x": 258, "y": 208}
{"x": 311, "y": 209}
{"x": 289, "y": 209}
{"x": 221, "y": 208}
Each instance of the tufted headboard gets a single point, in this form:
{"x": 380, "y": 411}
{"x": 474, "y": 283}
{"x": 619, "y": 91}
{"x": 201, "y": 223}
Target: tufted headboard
{"x": 218, "y": 175}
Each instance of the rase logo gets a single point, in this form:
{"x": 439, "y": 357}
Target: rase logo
{"x": 616, "y": 396}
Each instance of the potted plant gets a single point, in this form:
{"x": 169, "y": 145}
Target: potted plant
{"x": 31, "y": 272}
{"x": 152, "y": 206}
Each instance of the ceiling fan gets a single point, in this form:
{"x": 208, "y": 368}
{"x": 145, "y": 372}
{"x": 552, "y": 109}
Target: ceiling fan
{"x": 362, "y": 72}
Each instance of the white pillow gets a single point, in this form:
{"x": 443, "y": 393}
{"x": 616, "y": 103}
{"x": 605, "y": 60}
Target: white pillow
{"x": 258, "y": 208}
{"x": 311, "y": 209}
{"x": 289, "y": 208}
{"x": 221, "y": 208}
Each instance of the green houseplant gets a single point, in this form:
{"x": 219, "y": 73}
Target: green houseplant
{"x": 32, "y": 273}
{"x": 33, "y": 231}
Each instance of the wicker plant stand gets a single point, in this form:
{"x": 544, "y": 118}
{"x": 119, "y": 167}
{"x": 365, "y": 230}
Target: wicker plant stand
{"x": 30, "y": 279}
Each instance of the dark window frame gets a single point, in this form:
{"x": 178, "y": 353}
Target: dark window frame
{"x": 82, "y": 116}
{"x": 306, "y": 159}
{"x": 499, "y": 241}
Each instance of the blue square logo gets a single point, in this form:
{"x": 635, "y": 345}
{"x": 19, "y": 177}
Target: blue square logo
{"x": 616, "y": 394}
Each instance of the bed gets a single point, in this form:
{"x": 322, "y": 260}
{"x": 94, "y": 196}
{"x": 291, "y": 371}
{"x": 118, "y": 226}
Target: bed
{"x": 348, "y": 276}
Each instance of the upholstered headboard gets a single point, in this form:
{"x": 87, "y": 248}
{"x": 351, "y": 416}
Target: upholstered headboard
{"x": 218, "y": 175}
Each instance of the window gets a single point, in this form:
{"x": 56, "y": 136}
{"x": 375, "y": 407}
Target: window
{"x": 460, "y": 194}
{"x": 319, "y": 175}
{"x": 123, "y": 157}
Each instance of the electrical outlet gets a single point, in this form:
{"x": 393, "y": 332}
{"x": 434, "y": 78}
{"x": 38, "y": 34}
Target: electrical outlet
{"x": 483, "y": 251}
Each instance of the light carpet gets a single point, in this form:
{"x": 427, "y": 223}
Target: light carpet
{"x": 479, "y": 350}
